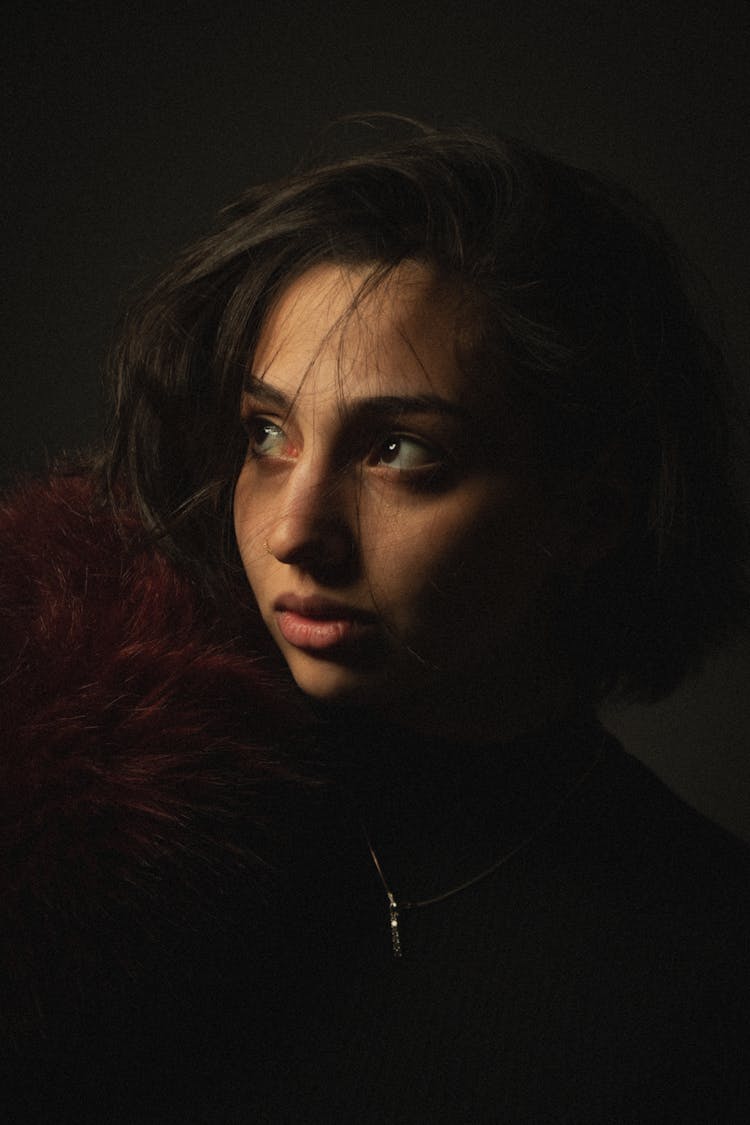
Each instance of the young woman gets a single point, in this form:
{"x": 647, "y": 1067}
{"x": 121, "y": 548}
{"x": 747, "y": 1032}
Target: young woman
{"x": 414, "y": 461}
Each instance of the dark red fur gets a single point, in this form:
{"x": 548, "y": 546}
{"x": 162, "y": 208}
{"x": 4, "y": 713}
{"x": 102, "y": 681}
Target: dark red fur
{"x": 140, "y": 768}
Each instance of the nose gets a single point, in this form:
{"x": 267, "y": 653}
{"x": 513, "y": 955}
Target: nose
{"x": 314, "y": 529}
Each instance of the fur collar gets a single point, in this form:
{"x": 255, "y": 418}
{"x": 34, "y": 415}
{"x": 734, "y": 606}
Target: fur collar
{"x": 140, "y": 766}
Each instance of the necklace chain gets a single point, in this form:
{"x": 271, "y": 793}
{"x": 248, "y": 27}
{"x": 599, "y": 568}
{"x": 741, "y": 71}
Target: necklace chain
{"x": 395, "y": 907}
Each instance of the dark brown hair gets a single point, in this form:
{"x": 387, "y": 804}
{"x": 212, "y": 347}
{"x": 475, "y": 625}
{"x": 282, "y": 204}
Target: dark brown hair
{"x": 581, "y": 304}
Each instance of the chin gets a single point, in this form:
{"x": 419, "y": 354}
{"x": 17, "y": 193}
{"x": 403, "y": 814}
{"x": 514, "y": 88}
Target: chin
{"x": 330, "y": 682}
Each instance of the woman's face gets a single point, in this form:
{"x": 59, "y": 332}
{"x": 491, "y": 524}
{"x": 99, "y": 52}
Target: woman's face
{"x": 398, "y": 550}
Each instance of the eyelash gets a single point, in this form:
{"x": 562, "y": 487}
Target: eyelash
{"x": 260, "y": 426}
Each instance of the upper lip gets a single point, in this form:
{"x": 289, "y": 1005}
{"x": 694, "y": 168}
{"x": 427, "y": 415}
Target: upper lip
{"x": 321, "y": 609}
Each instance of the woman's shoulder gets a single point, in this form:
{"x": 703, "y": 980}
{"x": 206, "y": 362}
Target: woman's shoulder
{"x": 659, "y": 817}
{"x": 660, "y": 867}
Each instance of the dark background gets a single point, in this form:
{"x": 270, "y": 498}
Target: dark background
{"x": 127, "y": 127}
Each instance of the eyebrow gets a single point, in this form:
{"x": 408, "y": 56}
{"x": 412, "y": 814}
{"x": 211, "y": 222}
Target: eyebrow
{"x": 381, "y": 404}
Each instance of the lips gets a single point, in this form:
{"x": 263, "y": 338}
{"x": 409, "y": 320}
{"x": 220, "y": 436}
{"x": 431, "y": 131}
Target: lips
{"x": 317, "y": 624}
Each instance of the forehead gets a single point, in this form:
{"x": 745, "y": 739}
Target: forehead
{"x": 400, "y": 331}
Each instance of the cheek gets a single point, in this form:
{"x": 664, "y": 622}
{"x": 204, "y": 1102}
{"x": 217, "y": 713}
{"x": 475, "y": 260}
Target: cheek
{"x": 248, "y": 528}
{"x": 477, "y": 561}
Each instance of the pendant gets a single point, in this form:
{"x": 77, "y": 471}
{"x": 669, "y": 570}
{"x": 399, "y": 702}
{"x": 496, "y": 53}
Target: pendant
{"x": 395, "y": 936}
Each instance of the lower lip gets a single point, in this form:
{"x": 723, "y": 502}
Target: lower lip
{"x": 316, "y": 632}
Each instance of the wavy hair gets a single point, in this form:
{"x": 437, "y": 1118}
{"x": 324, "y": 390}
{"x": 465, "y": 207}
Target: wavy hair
{"x": 578, "y": 299}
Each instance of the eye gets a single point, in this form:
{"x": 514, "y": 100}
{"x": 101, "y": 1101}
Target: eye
{"x": 266, "y": 439}
{"x": 404, "y": 453}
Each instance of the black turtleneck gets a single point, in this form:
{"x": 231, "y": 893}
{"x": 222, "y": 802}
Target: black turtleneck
{"x": 598, "y": 975}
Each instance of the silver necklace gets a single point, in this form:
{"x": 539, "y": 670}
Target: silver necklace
{"x": 396, "y": 908}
